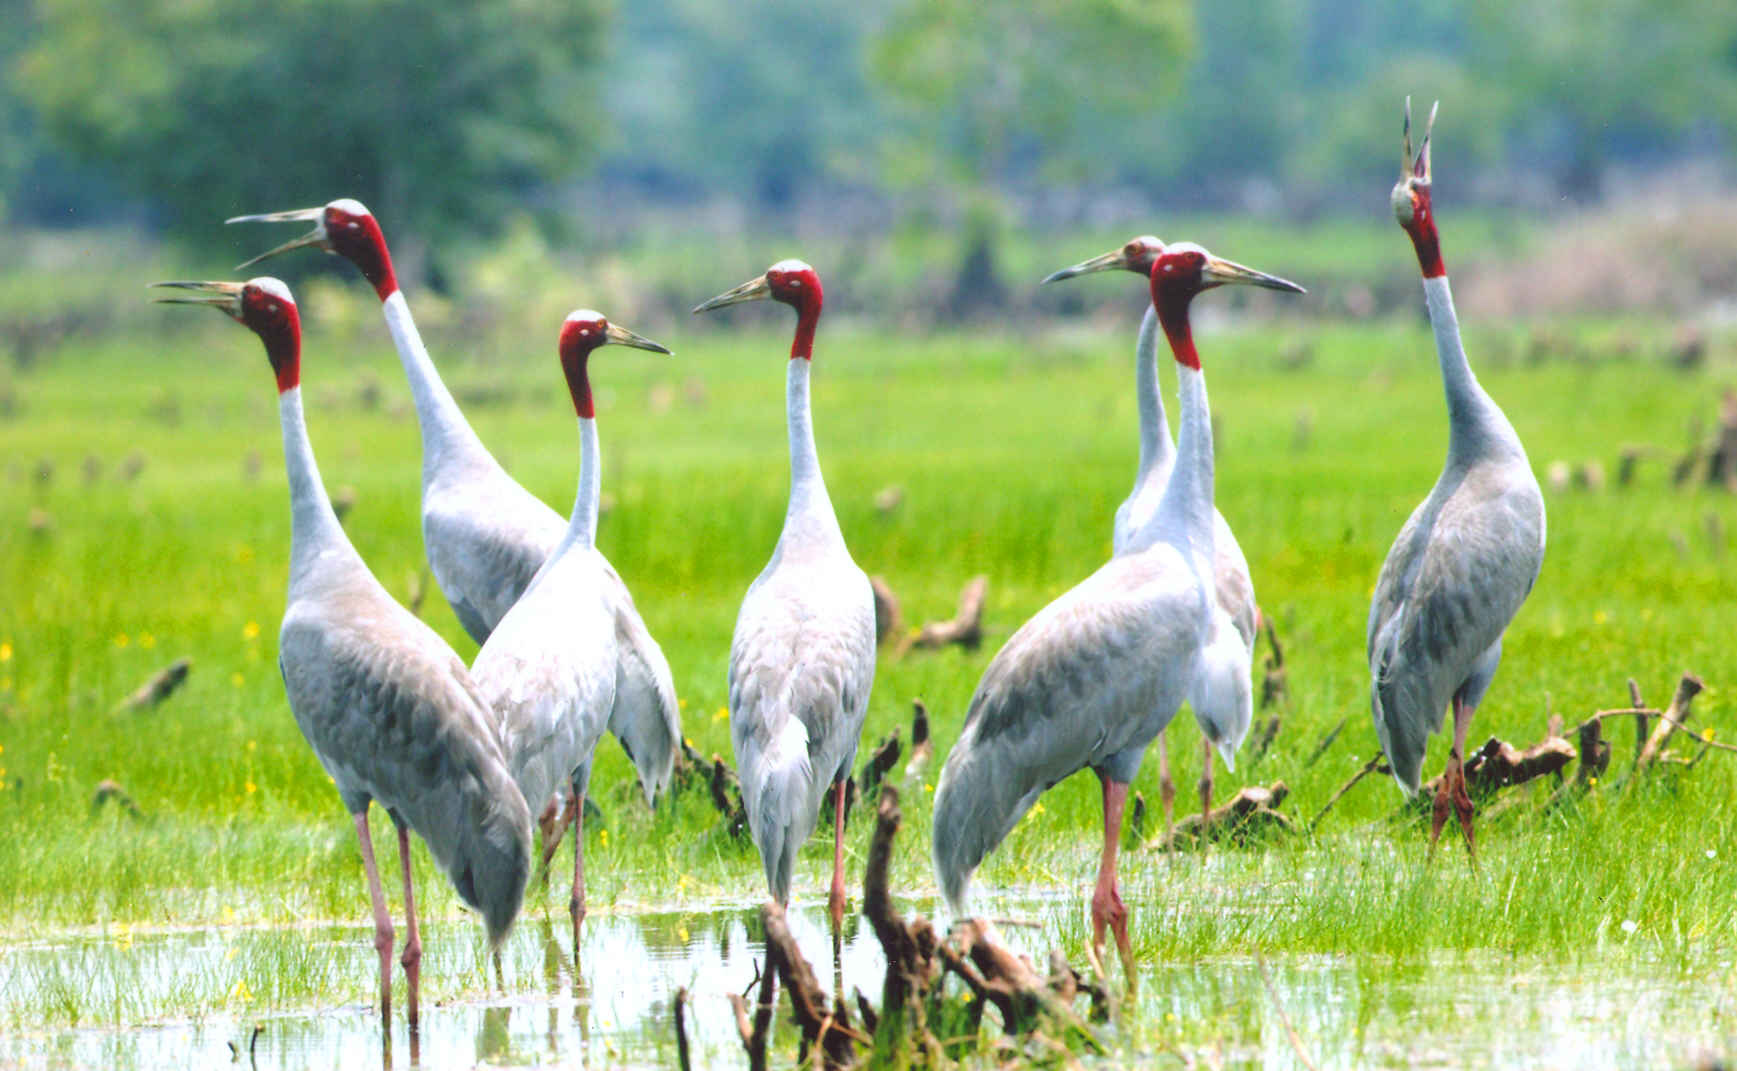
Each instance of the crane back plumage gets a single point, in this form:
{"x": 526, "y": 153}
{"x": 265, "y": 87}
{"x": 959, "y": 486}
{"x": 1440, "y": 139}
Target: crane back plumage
{"x": 390, "y": 710}
{"x": 802, "y": 662}
{"x": 1224, "y": 713}
{"x": 1460, "y": 569}
{"x": 1095, "y": 675}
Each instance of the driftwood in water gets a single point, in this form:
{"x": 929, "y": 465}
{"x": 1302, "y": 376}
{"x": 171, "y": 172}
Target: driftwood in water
{"x": 721, "y": 783}
{"x": 919, "y": 1023}
{"x": 966, "y": 628}
{"x": 1498, "y": 765}
{"x": 160, "y": 687}
{"x": 1251, "y": 812}
{"x": 889, "y": 622}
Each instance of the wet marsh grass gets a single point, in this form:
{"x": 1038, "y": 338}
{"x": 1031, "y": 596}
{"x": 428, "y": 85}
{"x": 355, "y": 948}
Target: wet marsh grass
{"x": 1012, "y": 453}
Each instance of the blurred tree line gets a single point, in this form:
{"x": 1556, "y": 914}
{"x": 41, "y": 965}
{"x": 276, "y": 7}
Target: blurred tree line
{"x": 450, "y": 117}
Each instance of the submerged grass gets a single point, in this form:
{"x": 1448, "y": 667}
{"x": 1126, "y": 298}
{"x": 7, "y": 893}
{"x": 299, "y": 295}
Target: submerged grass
{"x": 1012, "y": 453}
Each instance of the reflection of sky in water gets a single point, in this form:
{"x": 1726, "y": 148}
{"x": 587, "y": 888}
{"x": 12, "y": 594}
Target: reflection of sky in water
{"x": 1476, "y": 1011}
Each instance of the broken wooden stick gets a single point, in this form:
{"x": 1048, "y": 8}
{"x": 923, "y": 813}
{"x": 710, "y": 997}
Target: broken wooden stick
{"x": 921, "y": 747}
{"x": 889, "y": 622}
{"x": 160, "y": 687}
{"x": 826, "y": 1029}
{"x": 1252, "y": 810}
{"x": 1688, "y": 687}
{"x": 966, "y": 628}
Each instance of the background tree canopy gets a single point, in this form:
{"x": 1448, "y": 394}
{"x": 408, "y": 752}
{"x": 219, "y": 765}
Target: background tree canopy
{"x": 447, "y": 116}
{"x": 442, "y": 115}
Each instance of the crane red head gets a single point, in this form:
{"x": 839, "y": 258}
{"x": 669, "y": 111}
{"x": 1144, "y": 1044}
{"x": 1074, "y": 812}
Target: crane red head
{"x": 1185, "y": 270}
{"x": 582, "y": 333}
{"x": 263, "y": 304}
{"x": 792, "y": 282}
{"x": 1411, "y": 198}
{"x": 343, "y": 227}
{"x": 1138, "y": 256}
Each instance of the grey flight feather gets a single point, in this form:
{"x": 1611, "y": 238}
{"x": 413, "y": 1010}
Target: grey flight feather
{"x": 645, "y": 717}
{"x": 394, "y": 718}
{"x": 1457, "y": 574}
{"x": 1088, "y": 682}
{"x": 802, "y": 665}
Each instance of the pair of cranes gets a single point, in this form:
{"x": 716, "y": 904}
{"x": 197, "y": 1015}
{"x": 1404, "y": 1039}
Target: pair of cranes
{"x": 1090, "y": 681}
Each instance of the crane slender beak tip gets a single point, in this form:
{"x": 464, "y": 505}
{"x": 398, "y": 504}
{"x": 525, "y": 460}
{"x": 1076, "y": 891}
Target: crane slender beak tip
{"x": 1227, "y": 272}
{"x": 1113, "y": 261}
{"x": 752, "y": 290}
{"x": 223, "y": 294}
{"x": 622, "y": 336}
{"x": 293, "y": 216}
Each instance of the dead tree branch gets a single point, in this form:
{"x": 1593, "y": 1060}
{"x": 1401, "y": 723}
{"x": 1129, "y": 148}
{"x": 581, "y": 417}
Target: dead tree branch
{"x": 966, "y": 628}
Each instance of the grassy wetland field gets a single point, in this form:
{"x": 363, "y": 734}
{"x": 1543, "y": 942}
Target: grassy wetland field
{"x": 143, "y": 518}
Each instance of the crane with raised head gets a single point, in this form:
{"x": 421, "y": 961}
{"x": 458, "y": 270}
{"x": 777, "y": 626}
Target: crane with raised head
{"x": 387, "y": 706}
{"x": 551, "y": 670}
{"x": 802, "y": 661}
{"x": 1465, "y": 560}
{"x": 1098, "y": 673}
{"x": 485, "y": 535}
{"x": 1233, "y": 586}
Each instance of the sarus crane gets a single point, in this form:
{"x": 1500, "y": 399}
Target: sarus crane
{"x": 485, "y": 535}
{"x": 551, "y": 671}
{"x": 1233, "y": 586}
{"x": 1465, "y": 560}
{"x": 802, "y": 661}
{"x": 389, "y": 709}
{"x": 1098, "y": 673}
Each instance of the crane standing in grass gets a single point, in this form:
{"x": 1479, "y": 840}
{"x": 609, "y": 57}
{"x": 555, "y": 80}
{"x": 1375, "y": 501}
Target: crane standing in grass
{"x": 385, "y": 703}
{"x": 550, "y": 671}
{"x": 1233, "y": 587}
{"x": 1100, "y": 671}
{"x": 802, "y": 661}
{"x": 1465, "y": 560}
{"x": 485, "y": 535}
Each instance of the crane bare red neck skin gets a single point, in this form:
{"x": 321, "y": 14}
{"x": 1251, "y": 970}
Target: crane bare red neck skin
{"x": 1177, "y": 276}
{"x": 265, "y": 306}
{"x": 791, "y": 282}
{"x": 579, "y": 338}
{"x": 1412, "y": 204}
{"x": 581, "y": 334}
{"x": 354, "y": 234}
{"x": 796, "y": 284}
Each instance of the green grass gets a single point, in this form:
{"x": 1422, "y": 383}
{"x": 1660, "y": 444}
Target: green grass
{"x": 1012, "y": 452}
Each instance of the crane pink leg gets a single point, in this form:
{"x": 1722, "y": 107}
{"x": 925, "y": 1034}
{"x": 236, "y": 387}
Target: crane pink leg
{"x": 382, "y": 920}
{"x": 836, "y": 901}
{"x": 1166, "y": 788}
{"x": 1205, "y": 786}
{"x": 412, "y": 957}
{"x": 1108, "y": 910}
{"x": 576, "y": 903}
{"x": 1452, "y": 793}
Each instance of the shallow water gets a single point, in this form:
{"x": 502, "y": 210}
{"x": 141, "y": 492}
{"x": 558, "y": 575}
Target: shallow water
{"x": 1348, "y": 1011}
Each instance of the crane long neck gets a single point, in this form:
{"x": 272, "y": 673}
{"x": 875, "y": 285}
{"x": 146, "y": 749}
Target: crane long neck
{"x": 446, "y": 434}
{"x": 1156, "y": 449}
{"x": 315, "y": 533}
{"x": 809, "y": 504}
{"x": 1475, "y": 423}
{"x": 582, "y": 528}
{"x": 1184, "y": 514}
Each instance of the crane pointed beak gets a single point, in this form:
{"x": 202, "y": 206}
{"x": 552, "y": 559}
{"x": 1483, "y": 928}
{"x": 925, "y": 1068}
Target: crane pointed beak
{"x": 224, "y": 295}
{"x": 624, "y": 337}
{"x": 1220, "y": 272}
{"x": 1421, "y": 168}
{"x": 1116, "y": 261}
{"x": 315, "y": 237}
{"x": 752, "y": 290}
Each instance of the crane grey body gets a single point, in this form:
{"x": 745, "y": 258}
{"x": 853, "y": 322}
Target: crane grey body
{"x": 1459, "y": 570}
{"x": 485, "y": 536}
{"x": 388, "y": 708}
{"x": 802, "y": 660}
{"x": 1467, "y": 557}
{"x": 553, "y": 670}
{"x": 1098, "y": 673}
